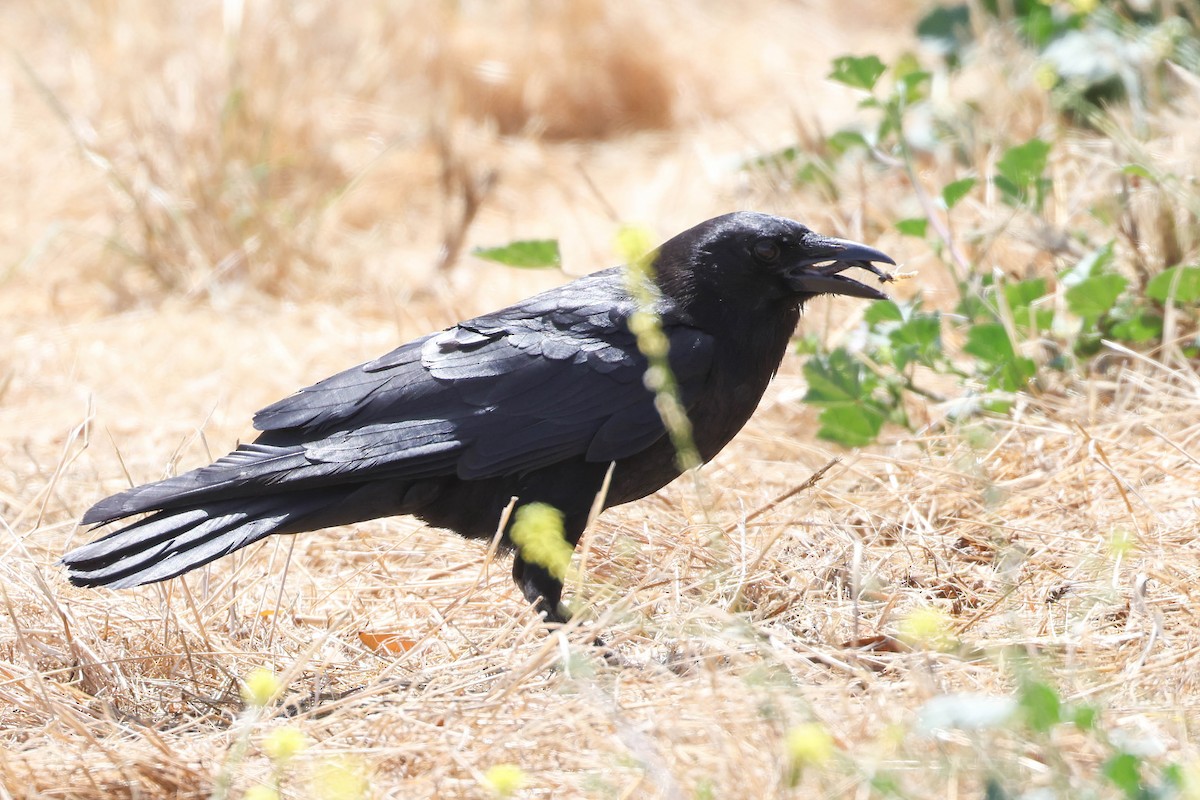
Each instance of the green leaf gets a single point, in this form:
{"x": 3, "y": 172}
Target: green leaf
{"x": 1187, "y": 290}
{"x": 1022, "y": 294}
{"x": 1084, "y": 717}
{"x": 858, "y": 72}
{"x": 1041, "y": 706}
{"x": 953, "y": 192}
{"x": 1014, "y": 375}
{"x": 1010, "y": 192}
{"x": 836, "y": 379}
{"x": 973, "y": 307}
{"x": 913, "y": 85}
{"x": 850, "y": 426}
{"x": 526, "y": 254}
{"x": 1124, "y": 771}
{"x": 883, "y": 311}
{"x": 917, "y": 340}
{"x": 1021, "y": 298}
{"x": 989, "y": 342}
{"x": 1142, "y": 327}
{"x": 845, "y": 140}
{"x": 1036, "y": 320}
{"x": 778, "y": 158}
{"x": 1095, "y": 296}
{"x": 1137, "y": 171}
{"x": 1039, "y": 25}
{"x": 913, "y": 227}
{"x": 1023, "y": 164}
{"x": 946, "y": 30}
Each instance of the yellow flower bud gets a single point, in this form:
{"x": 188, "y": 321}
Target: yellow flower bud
{"x": 1122, "y": 542}
{"x": 283, "y": 744}
{"x": 537, "y": 531}
{"x": 809, "y": 745}
{"x": 260, "y": 687}
{"x": 927, "y": 628}
{"x": 634, "y": 245}
{"x": 340, "y": 779}
{"x": 260, "y": 792}
{"x": 504, "y": 779}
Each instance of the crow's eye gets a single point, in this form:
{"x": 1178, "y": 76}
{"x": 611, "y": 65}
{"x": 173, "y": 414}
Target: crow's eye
{"x": 766, "y": 250}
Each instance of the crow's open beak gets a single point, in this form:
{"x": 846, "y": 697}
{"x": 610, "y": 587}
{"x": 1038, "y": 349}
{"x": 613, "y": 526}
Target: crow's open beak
{"x": 826, "y": 257}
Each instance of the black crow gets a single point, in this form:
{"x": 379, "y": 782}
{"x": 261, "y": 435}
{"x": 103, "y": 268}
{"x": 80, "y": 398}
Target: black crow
{"x": 534, "y": 401}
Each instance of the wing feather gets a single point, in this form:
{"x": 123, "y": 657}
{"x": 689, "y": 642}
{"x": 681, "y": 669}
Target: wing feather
{"x": 554, "y": 378}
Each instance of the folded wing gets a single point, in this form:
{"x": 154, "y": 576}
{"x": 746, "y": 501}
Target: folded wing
{"x": 556, "y": 377}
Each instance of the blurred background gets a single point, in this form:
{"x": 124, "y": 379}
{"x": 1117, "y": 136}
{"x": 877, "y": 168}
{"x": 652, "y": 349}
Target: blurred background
{"x": 203, "y": 185}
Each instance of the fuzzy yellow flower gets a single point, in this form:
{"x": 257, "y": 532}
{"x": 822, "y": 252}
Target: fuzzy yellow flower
{"x": 284, "y": 744}
{"x": 341, "y": 779}
{"x": 537, "y": 532}
{"x": 260, "y": 792}
{"x": 635, "y": 245}
{"x": 1122, "y": 542}
{"x": 260, "y": 687}
{"x": 809, "y": 744}
{"x": 504, "y": 779}
{"x": 927, "y": 628}
{"x": 1045, "y": 76}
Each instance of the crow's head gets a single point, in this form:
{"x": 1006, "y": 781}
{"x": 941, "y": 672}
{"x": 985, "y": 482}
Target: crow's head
{"x": 750, "y": 259}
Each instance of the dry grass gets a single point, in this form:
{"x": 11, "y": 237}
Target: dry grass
{"x": 201, "y": 213}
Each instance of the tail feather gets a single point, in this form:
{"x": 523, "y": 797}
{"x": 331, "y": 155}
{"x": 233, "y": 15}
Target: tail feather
{"x": 170, "y": 543}
{"x": 351, "y": 458}
{"x": 240, "y": 473}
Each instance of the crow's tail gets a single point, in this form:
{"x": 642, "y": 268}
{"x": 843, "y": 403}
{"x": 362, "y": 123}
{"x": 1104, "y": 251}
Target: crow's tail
{"x": 171, "y": 542}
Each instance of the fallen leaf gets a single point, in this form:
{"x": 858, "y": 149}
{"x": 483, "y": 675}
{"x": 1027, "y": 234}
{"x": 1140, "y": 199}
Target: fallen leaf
{"x": 392, "y": 643}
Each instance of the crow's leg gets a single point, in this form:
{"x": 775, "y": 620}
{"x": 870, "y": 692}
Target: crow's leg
{"x": 540, "y": 588}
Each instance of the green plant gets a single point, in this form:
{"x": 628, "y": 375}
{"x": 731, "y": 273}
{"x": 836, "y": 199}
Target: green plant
{"x": 1034, "y": 722}
{"x": 1011, "y": 328}
{"x": 524, "y": 254}
{"x": 1090, "y": 53}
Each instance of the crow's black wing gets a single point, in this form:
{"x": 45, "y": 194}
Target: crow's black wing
{"x": 556, "y": 377}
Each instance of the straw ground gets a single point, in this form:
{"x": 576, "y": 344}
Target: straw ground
{"x": 207, "y": 207}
